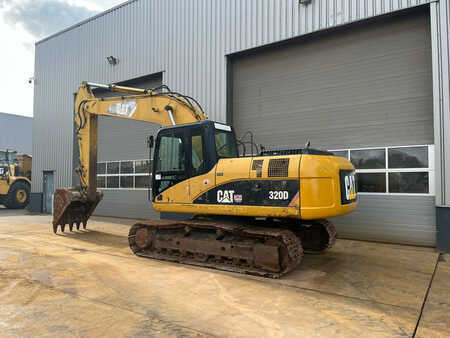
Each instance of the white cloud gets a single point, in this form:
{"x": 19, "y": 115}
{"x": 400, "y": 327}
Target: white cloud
{"x": 22, "y": 23}
{"x": 44, "y": 17}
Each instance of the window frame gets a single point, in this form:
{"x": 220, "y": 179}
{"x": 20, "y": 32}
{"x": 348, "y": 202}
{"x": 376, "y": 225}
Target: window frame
{"x": 430, "y": 170}
{"x": 133, "y": 174}
{"x": 197, "y": 132}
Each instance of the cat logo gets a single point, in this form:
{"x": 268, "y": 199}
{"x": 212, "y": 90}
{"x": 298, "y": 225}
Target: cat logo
{"x": 350, "y": 187}
{"x": 225, "y": 196}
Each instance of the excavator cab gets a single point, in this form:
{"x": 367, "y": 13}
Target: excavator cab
{"x": 189, "y": 150}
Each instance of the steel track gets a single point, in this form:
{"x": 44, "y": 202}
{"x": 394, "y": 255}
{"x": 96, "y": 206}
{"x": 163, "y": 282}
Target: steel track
{"x": 268, "y": 252}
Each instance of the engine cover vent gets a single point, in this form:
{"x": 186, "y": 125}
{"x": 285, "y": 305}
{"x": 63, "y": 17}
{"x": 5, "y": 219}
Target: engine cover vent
{"x": 257, "y": 165}
{"x": 278, "y": 167}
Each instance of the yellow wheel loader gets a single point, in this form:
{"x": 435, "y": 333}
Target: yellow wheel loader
{"x": 252, "y": 214}
{"x": 15, "y": 175}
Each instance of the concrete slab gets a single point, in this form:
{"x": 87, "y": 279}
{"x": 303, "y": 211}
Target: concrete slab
{"x": 89, "y": 284}
{"x": 435, "y": 320}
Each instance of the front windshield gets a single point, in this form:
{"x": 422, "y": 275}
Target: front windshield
{"x": 225, "y": 144}
{"x": 9, "y": 156}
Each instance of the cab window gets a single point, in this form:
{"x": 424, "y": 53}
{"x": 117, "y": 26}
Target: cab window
{"x": 171, "y": 156}
{"x": 225, "y": 144}
{"x": 197, "y": 156}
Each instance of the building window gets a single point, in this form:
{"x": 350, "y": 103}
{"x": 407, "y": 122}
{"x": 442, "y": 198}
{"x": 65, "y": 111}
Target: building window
{"x": 142, "y": 181}
{"x": 408, "y": 157}
{"x": 126, "y": 167}
{"x": 112, "y": 168}
{"x": 124, "y": 174}
{"x": 112, "y": 181}
{"x": 101, "y": 181}
{"x": 101, "y": 168}
{"x": 368, "y": 158}
{"x": 142, "y": 167}
{"x": 414, "y": 183}
{"x": 393, "y": 170}
{"x": 371, "y": 182}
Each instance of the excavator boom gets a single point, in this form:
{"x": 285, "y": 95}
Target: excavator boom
{"x": 160, "y": 106}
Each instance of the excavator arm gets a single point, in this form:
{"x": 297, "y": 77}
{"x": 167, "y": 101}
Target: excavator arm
{"x": 161, "y": 106}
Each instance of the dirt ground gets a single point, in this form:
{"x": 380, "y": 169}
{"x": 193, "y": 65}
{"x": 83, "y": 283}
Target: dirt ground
{"x": 88, "y": 284}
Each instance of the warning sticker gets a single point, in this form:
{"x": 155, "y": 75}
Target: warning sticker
{"x": 238, "y": 198}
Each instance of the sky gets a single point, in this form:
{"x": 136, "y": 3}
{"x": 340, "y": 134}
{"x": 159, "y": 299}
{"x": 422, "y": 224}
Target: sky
{"x": 22, "y": 23}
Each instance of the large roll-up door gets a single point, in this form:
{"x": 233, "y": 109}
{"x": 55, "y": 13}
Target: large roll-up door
{"x": 367, "y": 86}
{"x": 123, "y": 158}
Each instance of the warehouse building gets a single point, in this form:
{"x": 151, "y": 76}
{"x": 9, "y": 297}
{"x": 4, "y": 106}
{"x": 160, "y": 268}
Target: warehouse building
{"x": 16, "y": 133}
{"x": 368, "y": 80}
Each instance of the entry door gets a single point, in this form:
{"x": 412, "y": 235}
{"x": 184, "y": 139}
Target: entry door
{"x": 170, "y": 160}
{"x": 49, "y": 188}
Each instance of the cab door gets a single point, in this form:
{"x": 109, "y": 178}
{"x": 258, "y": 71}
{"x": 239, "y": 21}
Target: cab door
{"x": 202, "y": 171}
{"x": 170, "y": 160}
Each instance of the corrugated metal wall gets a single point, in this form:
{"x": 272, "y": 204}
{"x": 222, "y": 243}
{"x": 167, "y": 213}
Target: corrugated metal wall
{"x": 16, "y": 133}
{"x": 188, "y": 40}
{"x": 440, "y": 38}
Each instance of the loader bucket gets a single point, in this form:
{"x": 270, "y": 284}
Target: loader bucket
{"x": 72, "y": 208}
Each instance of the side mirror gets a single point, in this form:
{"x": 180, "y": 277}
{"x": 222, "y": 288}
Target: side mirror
{"x": 150, "y": 141}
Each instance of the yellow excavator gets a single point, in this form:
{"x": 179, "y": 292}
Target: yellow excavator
{"x": 15, "y": 179}
{"x": 253, "y": 214}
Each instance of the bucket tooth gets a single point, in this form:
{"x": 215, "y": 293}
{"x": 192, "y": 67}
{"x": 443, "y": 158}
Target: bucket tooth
{"x": 71, "y": 226}
{"x": 84, "y": 225}
{"x": 63, "y": 227}
{"x": 78, "y": 225}
{"x": 55, "y": 228}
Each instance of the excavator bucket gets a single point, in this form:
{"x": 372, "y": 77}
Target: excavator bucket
{"x": 71, "y": 207}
